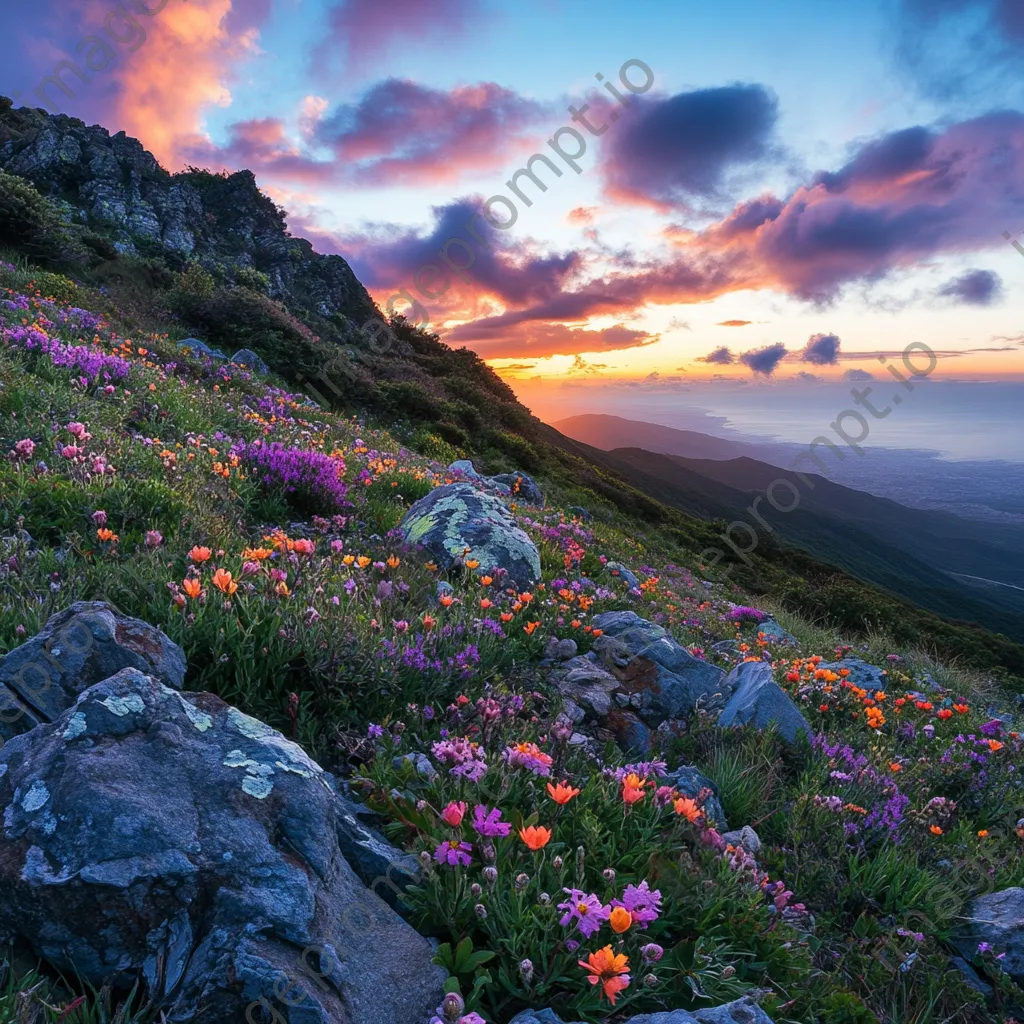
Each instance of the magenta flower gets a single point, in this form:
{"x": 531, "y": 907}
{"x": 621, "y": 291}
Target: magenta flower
{"x": 585, "y": 910}
{"x": 642, "y": 902}
{"x": 453, "y": 854}
{"x": 489, "y": 823}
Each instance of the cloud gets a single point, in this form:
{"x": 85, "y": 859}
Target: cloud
{"x": 678, "y": 324}
{"x": 764, "y": 360}
{"x": 734, "y": 323}
{"x": 721, "y": 356}
{"x": 581, "y": 215}
{"x": 975, "y": 288}
{"x": 398, "y": 133}
{"x": 821, "y": 350}
{"x": 676, "y": 148}
{"x": 804, "y": 375}
{"x": 364, "y": 32}
{"x": 959, "y": 48}
{"x": 538, "y": 340}
{"x": 580, "y": 365}
{"x": 858, "y": 375}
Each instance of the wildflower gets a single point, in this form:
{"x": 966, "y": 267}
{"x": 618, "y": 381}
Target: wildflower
{"x": 488, "y": 822}
{"x": 192, "y": 587}
{"x": 632, "y": 789}
{"x": 983, "y": 833}
{"x": 302, "y": 546}
{"x": 106, "y": 535}
{"x": 687, "y": 807}
{"x": 994, "y": 745}
{"x": 935, "y": 830}
{"x": 453, "y": 813}
{"x": 526, "y": 971}
{"x": 257, "y": 554}
{"x": 154, "y": 538}
{"x": 362, "y": 561}
{"x": 944, "y": 714}
{"x": 875, "y": 717}
{"x": 529, "y": 628}
{"x": 446, "y": 600}
{"x": 394, "y": 561}
{"x": 529, "y": 756}
{"x": 453, "y": 854}
{"x": 585, "y": 910}
{"x": 620, "y": 919}
{"x": 608, "y": 970}
{"x": 224, "y": 582}
{"x": 652, "y": 952}
{"x": 536, "y": 837}
{"x": 490, "y": 874}
{"x": 642, "y": 902}
{"x": 562, "y": 793}
{"x": 199, "y": 554}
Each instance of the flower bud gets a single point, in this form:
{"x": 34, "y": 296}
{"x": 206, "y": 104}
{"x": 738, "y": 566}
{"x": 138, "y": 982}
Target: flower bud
{"x": 609, "y": 875}
{"x": 651, "y": 980}
{"x": 522, "y": 881}
{"x": 728, "y": 971}
{"x": 452, "y": 1006}
{"x": 580, "y": 860}
{"x": 652, "y": 952}
{"x": 488, "y": 853}
{"x": 425, "y": 859}
{"x": 481, "y": 911}
{"x": 475, "y": 890}
{"x": 526, "y": 971}
{"x": 556, "y": 863}
{"x": 490, "y": 875}
{"x": 544, "y": 899}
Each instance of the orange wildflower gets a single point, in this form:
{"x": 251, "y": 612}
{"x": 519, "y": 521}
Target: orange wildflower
{"x": 446, "y": 600}
{"x": 536, "y": 837}
{"x": 486, "y": 580}
{"x": 256, "y": 554}
{"x": 530, "y": 627}
{"x": 687, "y": 807}
{"x": 485, "y": 603}
{"x": 983, "y": 833}
{"x": 632, "y": 788}
{"x": 472, "y": 563}
{"x": 428, "y": 622}
{"x": 620, "y": 920}
{"x": 104, "y": 534}
{"x": 608, "y": 970}
{"x": 994, "y": 745}
{"x": 348, "y": 559}
{"x": 362, "y": 561}
{"x": 507, "y": 616}
{"x": 198, "y": 554}
{"x": 394, "y": 561}
{"x": 562, "y": 793}
{"x": 223, "y": 581}
{"x": 191, "y": 587}
{"x": 935, "y": 830}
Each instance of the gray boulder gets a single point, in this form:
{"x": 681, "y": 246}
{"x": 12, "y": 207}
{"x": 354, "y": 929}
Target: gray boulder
{"x": 757, "y": 700}
{"x": 246, "y": 357}
{"x": 774, "y": 631}
{"x": 998, "y": 919}
{"x": 458, "y": 521}
{"x": 739, "y": 1011}
{"x": 200, "y": 348}
{"x": 692, "y": 782}
{"x": 620, "y": 572}
{"x": 579, "y": 512}
{"x": 862, "y": 673}
{"x": 520, "y": 486}
{"x": 465, "y": 468}
{"x": 647, "y": 661}
{"x": 560, "y": 650}
{"x": 82, "y": 645}
{"x": 152, "y": 833}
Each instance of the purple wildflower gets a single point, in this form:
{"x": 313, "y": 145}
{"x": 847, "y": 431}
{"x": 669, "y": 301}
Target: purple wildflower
{"x": 585, "y": 910}
{"x": 453, "y": 854}
{"x": 488, "y": 822}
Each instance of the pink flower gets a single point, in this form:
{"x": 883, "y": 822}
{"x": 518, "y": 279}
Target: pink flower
{"x": 69, "y": 451}
{"x": 585, "y": 910}
{"x": 337, "y": 546}
{"x": 453, "y": 814}
{"x": 24, "y": 449}
{"x": 99, "y": 517}
{"x": 154, "y": 538}
{"x": 78, "y": 431}
{"x": 250, "y": 568}
{"x": 453, "y": 854}
{"x": 488, "y": 823}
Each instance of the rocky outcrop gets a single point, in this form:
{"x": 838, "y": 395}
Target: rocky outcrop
{"x": 149, "y": 833}
{"x": 223, "y": 221}
{"x": 757, "y": 700}
{"x": 82, "y": 645}
{"x": 458, "y": 521}
{"x": 740, "y": 1011}
{"x": 998, "y": 919}
{"x": 620, "y": 572}
{"x": 518, "y": 485}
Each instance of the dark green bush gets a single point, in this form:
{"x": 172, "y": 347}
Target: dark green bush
{"x": 29, "y": 221}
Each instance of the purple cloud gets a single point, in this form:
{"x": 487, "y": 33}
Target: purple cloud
{"x": 721, "y": 356}
{"x": 975, "y": 288}
{"x": 821, "y": 350}
{"x": 764, "y": 360}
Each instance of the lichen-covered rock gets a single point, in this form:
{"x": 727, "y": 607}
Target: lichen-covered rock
{"x": 757, "y": 700}
{"x": 998, "y": 919}
{"x": 82, "y": 645}
{"x": 457, "y": 521}
{"x": 150, "y": 833}
{"x": 740, "y": 1011}
{"x": 648, "y": 661}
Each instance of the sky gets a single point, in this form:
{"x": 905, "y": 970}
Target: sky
{"x": 776, "y": 193}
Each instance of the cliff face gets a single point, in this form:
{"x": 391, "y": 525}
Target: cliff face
{"x": 113, "y": 184}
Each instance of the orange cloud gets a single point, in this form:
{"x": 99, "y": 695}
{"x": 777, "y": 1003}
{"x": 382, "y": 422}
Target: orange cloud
{"x": 180, "y": 70}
